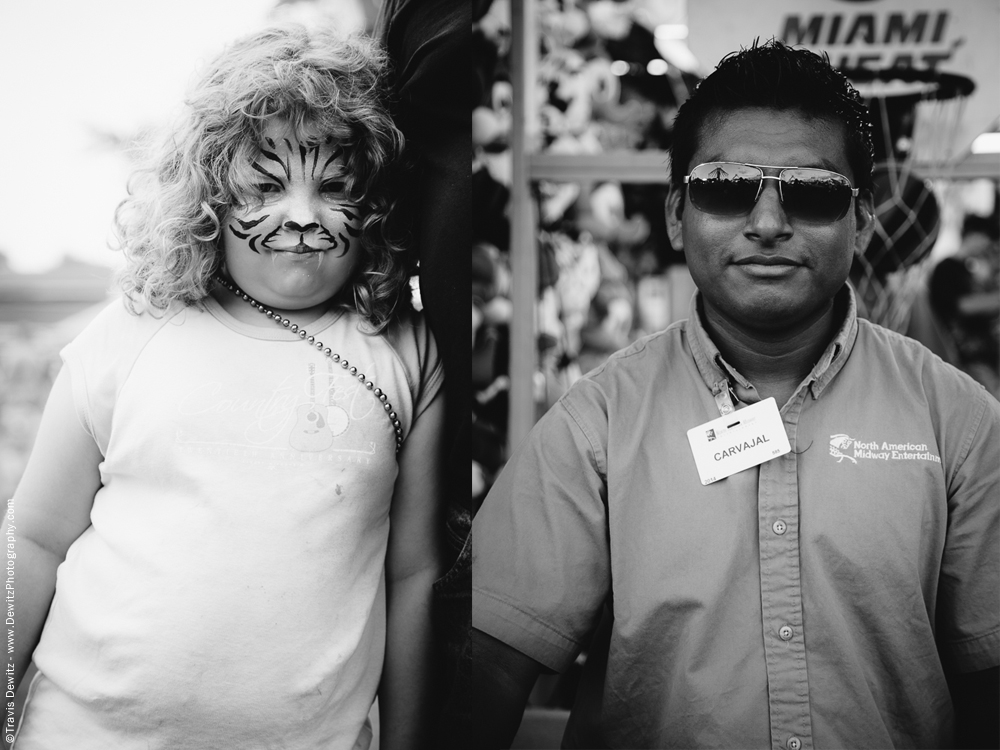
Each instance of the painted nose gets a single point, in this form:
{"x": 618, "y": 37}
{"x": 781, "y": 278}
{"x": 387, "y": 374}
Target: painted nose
{"x": 300, "y": 211}
{"x": 296, "y": 227}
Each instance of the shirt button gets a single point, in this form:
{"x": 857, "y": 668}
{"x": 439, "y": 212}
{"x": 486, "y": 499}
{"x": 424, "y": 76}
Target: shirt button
{"x": 785, "y": 633}
{"x": 794, "y": 743}
{"x": 779, "y": 527}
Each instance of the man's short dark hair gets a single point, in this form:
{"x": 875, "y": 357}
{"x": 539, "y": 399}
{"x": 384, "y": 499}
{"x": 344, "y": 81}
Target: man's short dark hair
{"x": 775, "y": 76}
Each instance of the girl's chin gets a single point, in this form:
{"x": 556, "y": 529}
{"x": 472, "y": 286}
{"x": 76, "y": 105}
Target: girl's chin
{"x": 292, "y": 281}
{"x": 298, "y": 307}
{"x": 291, "y": 296}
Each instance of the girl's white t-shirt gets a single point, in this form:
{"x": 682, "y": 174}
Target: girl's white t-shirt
{"x": 230, "y": 590}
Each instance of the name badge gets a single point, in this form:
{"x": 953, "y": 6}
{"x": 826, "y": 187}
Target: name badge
{"x": 738, "y": 441}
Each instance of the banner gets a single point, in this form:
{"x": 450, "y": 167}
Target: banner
{"x": 950, "y": 36}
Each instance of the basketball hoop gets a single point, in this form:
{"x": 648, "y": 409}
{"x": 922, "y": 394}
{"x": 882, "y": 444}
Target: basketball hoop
{"x": 916, "y": 115}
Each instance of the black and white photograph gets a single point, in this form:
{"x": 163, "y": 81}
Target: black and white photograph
{"x": 728, "y": 388}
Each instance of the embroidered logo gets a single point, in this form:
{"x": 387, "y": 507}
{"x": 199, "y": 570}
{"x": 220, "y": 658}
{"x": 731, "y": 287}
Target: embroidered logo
{"x": 839, "y": 444}
{"x": 844, "y": 446}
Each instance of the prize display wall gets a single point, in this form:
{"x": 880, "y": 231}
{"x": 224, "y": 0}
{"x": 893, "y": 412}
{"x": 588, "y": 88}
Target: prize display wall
{"x": 571, "y": 261}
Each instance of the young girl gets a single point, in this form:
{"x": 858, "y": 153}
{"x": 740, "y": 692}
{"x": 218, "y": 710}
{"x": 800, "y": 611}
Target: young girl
{"x": 234, "y": 491}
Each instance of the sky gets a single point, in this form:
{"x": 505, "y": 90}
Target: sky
{"x": 75, "y": 76}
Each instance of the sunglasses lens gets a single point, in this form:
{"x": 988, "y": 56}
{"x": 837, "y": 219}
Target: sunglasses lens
{"x": 815, "y": 194}
{"x": 724, "y": 189}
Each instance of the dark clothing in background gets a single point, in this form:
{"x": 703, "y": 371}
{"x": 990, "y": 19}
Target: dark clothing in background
{"x": 430, "y": 43}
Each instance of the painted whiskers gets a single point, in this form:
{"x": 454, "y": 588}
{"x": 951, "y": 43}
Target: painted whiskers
{"x": 324, "y": 238}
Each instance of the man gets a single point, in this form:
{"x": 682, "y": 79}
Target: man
{"x": 740, "y": 576}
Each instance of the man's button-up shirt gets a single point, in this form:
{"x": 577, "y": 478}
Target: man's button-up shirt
{"x": 813, "y": 601}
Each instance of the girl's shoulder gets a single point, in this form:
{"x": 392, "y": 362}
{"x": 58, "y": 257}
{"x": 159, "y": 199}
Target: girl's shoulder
{"x": 409, "y": 328}
{"x": 101, "y": 357}
{"x": 412, "y": 344}
{"x": 116, "y": 335}
{"x": 410, "y": 337}
{"x": 118, "y": 324}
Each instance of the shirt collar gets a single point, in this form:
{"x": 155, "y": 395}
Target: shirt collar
{"x": 719, "y": 375}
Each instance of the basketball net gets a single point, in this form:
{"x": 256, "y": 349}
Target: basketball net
{"x": 916, "y": 115}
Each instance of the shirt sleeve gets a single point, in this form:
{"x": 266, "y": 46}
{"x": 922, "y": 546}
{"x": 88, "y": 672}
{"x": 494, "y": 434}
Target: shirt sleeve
{"x": 541, "y": 569}
{"x": 415, "y": 349}
{"x": 99, "y": 360}
{"x": 969, "y": 586}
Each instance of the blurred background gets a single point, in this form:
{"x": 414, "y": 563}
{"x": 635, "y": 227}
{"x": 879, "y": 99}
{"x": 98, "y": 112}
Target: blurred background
{"x": 571, "y": 260}
{"x": 84, "y": 85}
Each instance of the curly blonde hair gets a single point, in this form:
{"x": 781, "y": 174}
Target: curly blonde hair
{"x": 321, "y": 85}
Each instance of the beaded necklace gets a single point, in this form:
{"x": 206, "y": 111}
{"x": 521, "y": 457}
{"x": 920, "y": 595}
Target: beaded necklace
{"x": 311, "y": 340}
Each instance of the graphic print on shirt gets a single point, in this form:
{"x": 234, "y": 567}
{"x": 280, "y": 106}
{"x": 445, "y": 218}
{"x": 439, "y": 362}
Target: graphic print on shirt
{"x": 310, "y": 433}
{"x": 844, "y": 446}
{"x": 337, "y": 417}
{"x": 838, "y": 444}
{"x": 307, "y": 413}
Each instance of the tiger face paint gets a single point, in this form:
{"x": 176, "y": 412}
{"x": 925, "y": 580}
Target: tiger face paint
{"x": 295, "y": 241}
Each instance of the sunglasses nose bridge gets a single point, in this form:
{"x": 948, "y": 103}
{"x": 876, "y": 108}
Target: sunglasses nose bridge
{"x": 777, "y": 186}
{"x": 760, "y": 187}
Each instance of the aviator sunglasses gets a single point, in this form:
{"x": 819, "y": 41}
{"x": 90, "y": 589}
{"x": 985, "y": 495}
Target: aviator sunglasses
{"x": 726, "y": 188}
